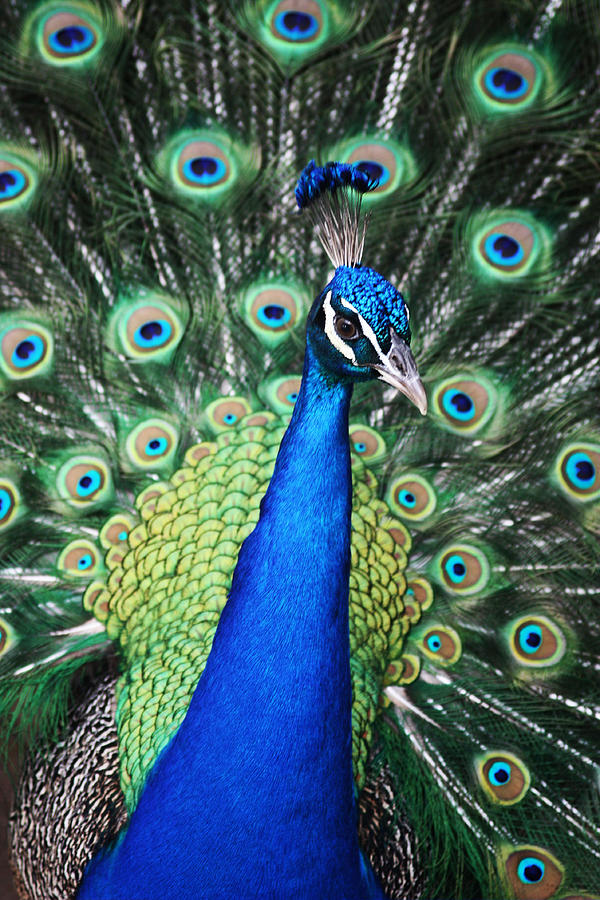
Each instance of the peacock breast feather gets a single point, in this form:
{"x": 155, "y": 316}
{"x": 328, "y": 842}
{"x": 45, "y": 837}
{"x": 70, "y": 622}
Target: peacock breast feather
{"x": 168, "y": 583}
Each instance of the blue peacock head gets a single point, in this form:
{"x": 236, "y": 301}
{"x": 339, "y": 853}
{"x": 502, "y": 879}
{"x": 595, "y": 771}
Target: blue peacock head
{"x": 359, "y": 325}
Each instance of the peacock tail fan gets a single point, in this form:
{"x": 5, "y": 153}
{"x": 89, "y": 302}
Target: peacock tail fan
{"x": 155, "y": 283}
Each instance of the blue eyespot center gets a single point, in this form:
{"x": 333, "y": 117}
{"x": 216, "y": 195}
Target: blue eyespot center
{"x": 434, "y": 643}
{"x": 530, "y": 638}
{"x": 88, "y": 483}
{"x": 407, "y": 498}
{"x": 153, "y": 334}
{"x": 273, "y": 315}
{"x": 28, "y": 352}
{"x": 230, "y": 418}
{"x": 156, "y": 446}
{"x": 506, "y": 84}
{"x": 204, "y": 170}
{"x": 503, "y": 250}
{"x": 580, "y": 470}
{"x": 360, "y": 446}
{"x": 506, "y": 246}
{"x": 455, "y": 568}
{"x": 462, "y": 403}
{"x": 585, "y": 470}
{"x": 122, "y": 535}
{"x": 293, "y": 396}
{"x": 7, "y": 180}
{"x": 531, "y": 870}
{"x": 458, "y": 405}
{"x": 499, "y": 773}
{"x": 150, "y": 330}
{"x": 12, "y": 183}
{"x": 294, "y": 25}
{"x": 25, "y": 349}
{"x": 6, "y": 502}
{"x": 72, "y": 39}
{"x": 85, "y": 561}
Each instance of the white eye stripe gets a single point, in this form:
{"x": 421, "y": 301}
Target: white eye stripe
{"x": 331, "y": 333}
{"x": 367, "y": 331}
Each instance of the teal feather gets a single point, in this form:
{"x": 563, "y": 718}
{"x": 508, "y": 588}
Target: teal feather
{"x": 484, "y": 218}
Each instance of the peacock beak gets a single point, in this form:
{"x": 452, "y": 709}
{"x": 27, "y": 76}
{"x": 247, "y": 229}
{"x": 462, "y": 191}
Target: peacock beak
{"x": 398, "y": 368}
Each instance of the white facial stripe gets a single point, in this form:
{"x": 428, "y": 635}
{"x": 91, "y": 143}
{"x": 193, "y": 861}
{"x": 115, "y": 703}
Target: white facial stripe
{"x": 331, "y": 333}
{"x": 367, "y": 331}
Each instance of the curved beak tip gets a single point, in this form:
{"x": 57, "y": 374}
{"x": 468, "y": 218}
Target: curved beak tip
{"x": 399, "y": 369}
{"x": 414, "y": 390}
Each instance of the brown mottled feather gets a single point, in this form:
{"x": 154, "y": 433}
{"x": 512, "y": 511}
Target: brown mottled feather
{"x": 69, "y": 802}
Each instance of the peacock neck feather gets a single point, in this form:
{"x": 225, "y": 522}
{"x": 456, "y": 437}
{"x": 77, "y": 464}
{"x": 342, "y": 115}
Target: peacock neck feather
{"x": 254, "y": 795}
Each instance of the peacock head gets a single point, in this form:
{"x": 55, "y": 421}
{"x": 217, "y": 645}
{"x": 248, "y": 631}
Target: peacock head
{"x": 358, "y": 327}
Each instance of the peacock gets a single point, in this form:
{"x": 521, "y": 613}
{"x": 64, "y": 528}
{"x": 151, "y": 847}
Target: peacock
{"x": 300, "y": 448}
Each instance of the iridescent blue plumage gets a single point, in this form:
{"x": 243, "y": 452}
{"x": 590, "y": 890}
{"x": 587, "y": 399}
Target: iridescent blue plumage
{"x": 318, "y": 180}
{"x": 263, "y": 744}
{"x": 374, "y": 298}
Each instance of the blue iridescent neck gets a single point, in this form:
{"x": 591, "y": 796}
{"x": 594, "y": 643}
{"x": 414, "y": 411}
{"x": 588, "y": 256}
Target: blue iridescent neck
{"x": 254, "y": 795}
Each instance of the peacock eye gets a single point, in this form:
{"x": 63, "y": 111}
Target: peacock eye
{"x": 345, "y": 328}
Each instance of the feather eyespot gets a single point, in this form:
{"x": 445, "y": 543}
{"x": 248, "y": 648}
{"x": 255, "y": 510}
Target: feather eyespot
{"x": 226, "y": 413}
{"x": 152, "y": 444}
{"x": 115, "y": 530}
{"x": 509, "y": 80}
{"x": 507, "y": 243}
{"x": 68, "y": 36}
{"x": 85, "y": 481}
{"x": 536, "y": 641}
{"x": 533, "y": 873}
{"x": 411, "y": 497}
{"x": 12, "y": 182}
{"x": 463, "y": 569}
{"x": 280, "y": 394}
{"x": 504, "y": 778}
{"x": 10, "y": 503}
{"x": 442, "y": 645}
{"x": 17, "y": 180}
{"x": 464, "y": 405}
{"x": 80, "y": 559}
{"x": 149, "y": 330}
{"x": 271, "y": 310}
{"x": 577, "y": 471}
{"x": 203, "y": 164}
{"x": 508, "y": 247}
{"x": 26, "y": 350}
{"x": 291, "y": 396}
{"x": 418, "y": 592}
{"x": 366, "y": 443}
{"x": 297, "y": 21}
